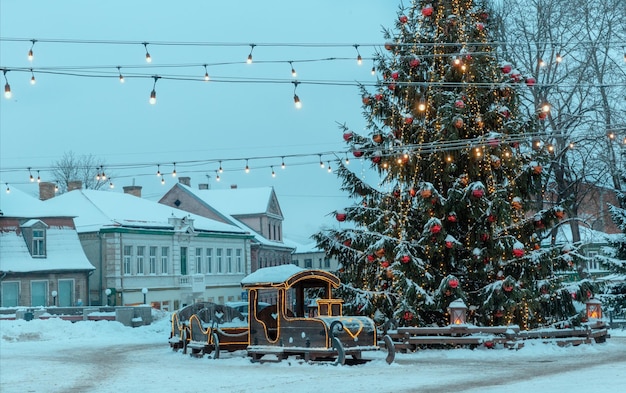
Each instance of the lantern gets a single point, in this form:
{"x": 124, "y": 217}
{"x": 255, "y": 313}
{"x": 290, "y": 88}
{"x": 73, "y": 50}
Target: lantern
{"x": 594, "y": 309}
{"x": 457, "y": 310}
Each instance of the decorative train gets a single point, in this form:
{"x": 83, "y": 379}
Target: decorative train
{"x": 293, "y": 326}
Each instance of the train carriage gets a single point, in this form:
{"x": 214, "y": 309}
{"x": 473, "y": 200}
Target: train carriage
{"x": 290, "y": 326}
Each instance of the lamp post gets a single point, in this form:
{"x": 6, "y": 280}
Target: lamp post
{"x": 145, "y": 292}
{"x": 108, "y": 293}
{"x": 54, "y": 297}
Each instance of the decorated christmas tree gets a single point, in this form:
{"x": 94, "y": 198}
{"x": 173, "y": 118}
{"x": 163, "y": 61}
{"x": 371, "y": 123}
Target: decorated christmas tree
{"x": 453, "y": 213}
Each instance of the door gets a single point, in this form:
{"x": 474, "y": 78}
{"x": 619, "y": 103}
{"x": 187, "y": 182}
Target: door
{"x": 10, "y": 293}
{"x": 38, "y": 291}
{"x": 66, "y": 293}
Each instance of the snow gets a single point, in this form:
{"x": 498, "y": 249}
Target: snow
{"x": 105, "y": 356}
{"x": 273, "y": 274}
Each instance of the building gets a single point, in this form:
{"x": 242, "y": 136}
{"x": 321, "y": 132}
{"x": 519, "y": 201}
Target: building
{"x": 253, "y": 210}
{"x": 309, "y": 256}
{"x": 42, "y": 262}
{"x": 144, "y": 251}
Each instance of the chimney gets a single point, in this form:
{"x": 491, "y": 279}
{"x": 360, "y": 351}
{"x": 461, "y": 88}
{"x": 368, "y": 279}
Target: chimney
{"x": 133, "y": 190}
{"x": 184, "y": 180}
{"x": 74, "y": 185}
{"x": 46, "y": 190}
{"x": 233, "y": 186}
{"x": 203, "y": 186}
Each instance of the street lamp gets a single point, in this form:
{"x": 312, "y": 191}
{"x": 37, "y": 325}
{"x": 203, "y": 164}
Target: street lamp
{"x": 54, "y": 297}
{"x": 108, "y": 293}
{"x": 145, "y": 292}
{"x": 457, "y": 311}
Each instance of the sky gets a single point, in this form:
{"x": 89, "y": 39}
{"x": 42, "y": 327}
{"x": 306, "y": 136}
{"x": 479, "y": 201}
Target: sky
{"x": 105, "y": 356}
{"x": 235, "y": 118}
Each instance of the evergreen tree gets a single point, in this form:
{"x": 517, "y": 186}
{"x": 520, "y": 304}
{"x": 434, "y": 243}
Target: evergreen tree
{"x": 458, "y": 174}
{"x": 614, "y": 259}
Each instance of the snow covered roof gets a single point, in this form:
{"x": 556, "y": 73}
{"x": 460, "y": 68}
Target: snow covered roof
{"x": 303, "y": 248}
{"x": 236, "y": 201}
{"x": 286, "y": 276}
{"x": 17, "y": 203}
{"x": 587, "y": 235}
{"x": 63, "y": 252}
{"x": 101, "y": 209}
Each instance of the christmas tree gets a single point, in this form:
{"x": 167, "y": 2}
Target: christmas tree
{"x": 614, "y": 259}
{"x": 457, "y": 176}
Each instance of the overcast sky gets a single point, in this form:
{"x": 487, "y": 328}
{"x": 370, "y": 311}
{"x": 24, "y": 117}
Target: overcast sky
{"x": 192, "y": 121}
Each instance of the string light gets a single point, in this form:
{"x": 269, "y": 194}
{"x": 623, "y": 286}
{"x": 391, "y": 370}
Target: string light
{"x": 217, "y": 176}
{"x": 373, "y": 68}
{"x": 247, "y": 169}
{"x": 162, "y": 180}
{"x": 282, "y": 164}
{"x": 293, "y": 70}
{"x": 121, "y": 76}
{"x": 30, "y": 52}
{"x": 329, "y": 168}
{"x": 321, "y": 163}
{"x": 38, "y": 177}
{"x": 56, "y": 187}
{"x": 359, "y": 59}
{"x": 545, "y": 108}
{"x": 32, "y": 179}
{"x": 148, "y": 57}
{"x": 347, "y": 159}
{"x": 206, "y": 74}
{"x": 220, "y": 170}
{"x": 174, "y": 171}
{"x": 32, "y": 77}
{"x": 111, "y": 185}
{"x": 158, "y": 170}
{"x": 296, "y": 99}
{"x": 153, "y": 92}
{"x": 421, "y": 106}
{"x": 7, "y": 87}
{"x": 273, "y": 173}
{"x": 541, "y": 63}
{"x": 559, "y": 58}
{"x": 249, "y": 60}
{"x": 8, "y": 189}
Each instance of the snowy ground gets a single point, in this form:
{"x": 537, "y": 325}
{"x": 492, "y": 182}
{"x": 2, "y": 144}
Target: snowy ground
{"x": 60, "y": 356}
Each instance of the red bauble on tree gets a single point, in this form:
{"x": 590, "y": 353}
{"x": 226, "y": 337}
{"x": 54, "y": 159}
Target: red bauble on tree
{"x": 452, "y": 217}
{"x": 506, "y": 68}
{"x": 384, "y": 264}
{"x": 371, "y": 258}
{"x": 347, "y": 136}
{"x": 403, "y": 19}
{"x": 405, "y": 259}
{"x": 478, "y": 192}
{"x": 428, "y": 10}
{"x": 357, "y": 153}
{"x": 414, "y": 62}
{"x": 530, "y": 81}
{"x": 436, "y": 228}
{"x": 341, "y": 216}
{"x": 518, "y": 252}
{"x": 453, "y": 283}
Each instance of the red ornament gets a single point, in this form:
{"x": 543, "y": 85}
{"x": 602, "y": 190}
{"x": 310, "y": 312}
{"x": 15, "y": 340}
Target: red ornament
{"x": 405, "y": 259}
{"x": 378, "y": 97}
{"x": 542, "y": 115}
{"x": 389, "y": 46}
{"x": 408, "y": 120}
{"x": 341, "y": 217}
{"x": 453, "y": 283}
{"x": 392, "y": 86}
{"x": 484, "y": 237}
{"x": 518, "y": 252}
{"x": 371, "y": 258}
{"x": 378, "y": 138}
{"x": 407, "y": 316}
{"x": 395, "y": 75}
{"x": 459, "y": 104}
{"x": 480, "y": 26}
{"x": 376, "y": 159}
{"x": 530, "y": 81}
{"x": 384, "y": 264}
{"x": 347, "y": 136}
{"x": 478, "y": 192}
{"x": 357, "y": 153}
{"x": 449, "y": 244}
{"x": 435, "y": 229}
{"x": 347, "y": 243}
{"x": 489, "y": 344}
{"x": 507, "y": 288}
{"x": 506, "y": 68}
{"x": 451, "y": 217}
{"x": 396, "y": 193}
{"x": 427, "y": 11}
{"x": 414, "y": 62}
{"x": 499, "y": 314}
{"x": 491, "y": 218}
{"x": 403, "y": 19}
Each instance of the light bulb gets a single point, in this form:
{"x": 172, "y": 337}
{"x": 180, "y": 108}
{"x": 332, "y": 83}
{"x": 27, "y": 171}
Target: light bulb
{"x": 217, "y": 177}
{"x": 545, "y": 108}
{"x": 153, "y": 97}
{"x": 373, "y": 70}
{"x": 148, "y": 58}
{"x": 7, "y": 91}
{"x": 220, "y": 170}
{"x": 249, "y": 60}
{"x": 247, "y": 169}
{"x": 30, "y": 55}
{"x": 162, "y": 180}
{"x": 559, "y": 58}
{"x": 359, "y": 60}
{"x": 542, "y": 63}
{"x": 273, "y": 173}
{"x": 206, "y": 77}
{"x": 121, "y": 78}
{"x": 32, "y": 80}
{"x": 297, "y": 102}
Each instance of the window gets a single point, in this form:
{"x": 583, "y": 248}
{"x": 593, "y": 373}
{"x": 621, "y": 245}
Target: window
{"x": 239, "y": 258}
{"x": 128, "y": 254}
{"x": 218, "y": 256}
{"x": 320, "y": 263}
{"x": 183, "y": 261}
{"x": 39, "y": 244}
{"x": 153, "y": 260}
{"x": 209, "y": 260}
{"x": 327, "y": 262}
{"x": 139, "y": 259}
{"x": 295, "y": 262}
{"x": 66, "y": 293}
{"x": 165, "y": 252}
{"x": 198, "y": 260}
{"x": 10, "y": 293}
{"x": 229, "y": 260}
{"x": 308, "y": 263}
{"x": 38, "y": 291}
